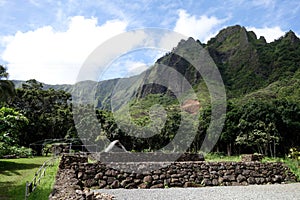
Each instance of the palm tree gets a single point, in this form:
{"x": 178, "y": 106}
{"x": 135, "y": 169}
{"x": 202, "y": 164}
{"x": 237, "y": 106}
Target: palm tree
{"x": 7, "y": 88}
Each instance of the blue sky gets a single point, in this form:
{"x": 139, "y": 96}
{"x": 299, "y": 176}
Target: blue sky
{"x": 50, "y": 40}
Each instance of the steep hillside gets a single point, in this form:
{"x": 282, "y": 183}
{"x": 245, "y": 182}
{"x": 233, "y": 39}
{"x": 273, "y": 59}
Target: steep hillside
{"x": 248, "y": 63}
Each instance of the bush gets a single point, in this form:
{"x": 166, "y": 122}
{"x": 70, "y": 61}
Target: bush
{"x": 294, "y": 154}
{"x": 14, "y": 150}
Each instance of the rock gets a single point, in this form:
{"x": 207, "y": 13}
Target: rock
{"x": 108, "y": 173}
{"x": 235, "y": 184}
{"x": 115, "y": 184}
{"x": 245, "y": 172}
{"x": 148, "y": 179}
{"x": 162, "y": 176}
{"x": 206, "y": 182}
{"x": 160, "y": 185}
{"x": 80, "y": 175}
{"x": 80, "y": 192}
{"x": 175, "y": 176}
{"x": 143, "y": 186}
{"x": 103, "y": 196}
{"x": 137, "y": 181}
{"x": 155, "y": 177}
{"x": 222, "y": 167}
{"x": 229, "y": 178}
{"x": 244, "y": 183}
{"x": 113, "y": 173}
{"x": 110, "y": 180}
{"x": 102, "y": 183}
{"x": 99, "y": 176}
{"x": 174, "y": 180}
{"x": 259, "y": 180}
{"x": 90, "y": 183}
{"x": 89, "y": 196}
{"x": 189, "y": 184}
{"x": 130, "y": 186}
{"x": 240, "y": 178}
{"x": 251, "y": 180}
{"x": 157, "y": 172}
{"x": 215, "y": 182}
{"x": 220, "y": 180}
{"x": 139, "y": 176}
{"x": 277, "y": 179}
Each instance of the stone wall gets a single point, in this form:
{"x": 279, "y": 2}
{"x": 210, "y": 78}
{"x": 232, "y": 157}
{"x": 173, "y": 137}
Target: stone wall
{"x": 179, "y": 174}
{"x": 68, "y": 186}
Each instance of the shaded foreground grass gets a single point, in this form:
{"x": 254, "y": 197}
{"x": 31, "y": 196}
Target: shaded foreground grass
{"x": 15, "y": 172}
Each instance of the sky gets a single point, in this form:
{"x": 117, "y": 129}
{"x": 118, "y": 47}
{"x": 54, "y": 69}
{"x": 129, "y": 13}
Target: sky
{"x": 50, "y": 40}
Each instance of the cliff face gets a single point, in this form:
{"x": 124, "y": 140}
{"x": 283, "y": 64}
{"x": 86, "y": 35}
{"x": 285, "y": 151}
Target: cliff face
{"x": 246, "y": 63}
{"x": 234, "y": 50}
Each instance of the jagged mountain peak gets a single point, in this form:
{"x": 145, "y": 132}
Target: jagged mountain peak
{"x": 262, "y": 39}
{"x": 292, "y": 37}
{"x": 225, "y": 33}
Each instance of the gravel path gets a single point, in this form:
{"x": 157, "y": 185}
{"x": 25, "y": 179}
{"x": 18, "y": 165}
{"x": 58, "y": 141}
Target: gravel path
{"x": 253, "y": 192}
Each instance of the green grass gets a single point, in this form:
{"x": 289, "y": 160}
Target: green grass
{"x": 216, "y": 157}
{"x": 15, "y": 172}
{"x": 294, "y": 165}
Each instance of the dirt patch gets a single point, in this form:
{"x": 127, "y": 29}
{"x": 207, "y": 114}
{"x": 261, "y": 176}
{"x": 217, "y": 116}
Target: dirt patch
{"x": 191, "y": 106}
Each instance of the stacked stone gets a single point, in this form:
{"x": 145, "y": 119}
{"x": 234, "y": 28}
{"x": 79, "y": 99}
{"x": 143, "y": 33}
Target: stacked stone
{"x": 176, "y": 174}
{"x": 69, "y": 161}
{"x": 186, "y": 174}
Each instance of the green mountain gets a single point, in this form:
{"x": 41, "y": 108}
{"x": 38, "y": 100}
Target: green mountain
{"x": 246, "y": 63}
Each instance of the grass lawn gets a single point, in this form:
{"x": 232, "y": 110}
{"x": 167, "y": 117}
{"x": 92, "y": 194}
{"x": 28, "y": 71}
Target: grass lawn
{"x": 15, "y": 172}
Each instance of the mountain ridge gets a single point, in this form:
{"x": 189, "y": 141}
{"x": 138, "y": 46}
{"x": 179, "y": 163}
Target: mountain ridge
{"x": 246, "y": 64}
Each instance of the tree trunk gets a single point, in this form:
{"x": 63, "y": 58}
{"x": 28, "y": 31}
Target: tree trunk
{"x": 270, "y": 149}
{"x": 274, "y": 148}
{"x": 266, "y": 149}
{"x": 229, "y": 149}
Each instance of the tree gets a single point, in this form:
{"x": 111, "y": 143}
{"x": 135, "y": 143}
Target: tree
{"x": 259, "y": 134}
{"x": 230, "y": 129}
{"x": 11, "y": 126}
{"x": 257, "y": 127}
{"x": 48, "y": 111}
{"x": 7, "y": 88}
{"x": 289, "y": 123}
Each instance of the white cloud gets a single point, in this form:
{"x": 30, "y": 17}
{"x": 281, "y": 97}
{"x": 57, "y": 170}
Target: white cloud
{"x": 135, "y": 68}
{"x": 270, "y": 33}
{"x": 54, "y": 56}
{"x": 125, "y": 66}
{"x": 263, "y": 3}
{"x": 196, "y": 27}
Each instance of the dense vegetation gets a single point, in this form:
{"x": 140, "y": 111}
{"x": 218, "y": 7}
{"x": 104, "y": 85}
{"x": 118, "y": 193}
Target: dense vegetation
{"x": 34, "y": 114}
{"x": 262, "y": 82}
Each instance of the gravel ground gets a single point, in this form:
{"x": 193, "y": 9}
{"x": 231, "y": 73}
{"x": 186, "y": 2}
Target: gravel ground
{"x": 253, "y": 192}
